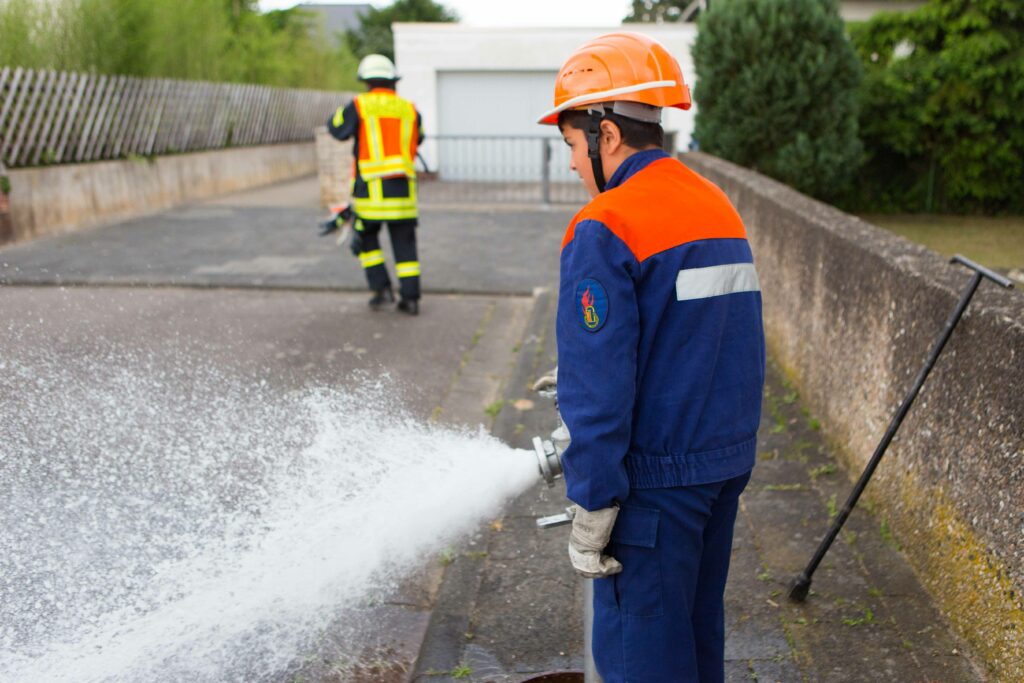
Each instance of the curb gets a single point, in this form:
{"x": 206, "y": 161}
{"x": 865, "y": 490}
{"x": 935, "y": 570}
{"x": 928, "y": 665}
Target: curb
{"x": 443, "y": 645}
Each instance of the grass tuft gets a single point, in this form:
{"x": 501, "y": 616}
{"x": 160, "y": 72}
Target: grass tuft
{"x": 493, "y": 409}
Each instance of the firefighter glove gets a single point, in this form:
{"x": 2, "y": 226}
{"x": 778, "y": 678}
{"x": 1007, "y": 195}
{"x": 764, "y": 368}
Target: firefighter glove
{"x": 343, "y": 216}
{"x": 547, "y": 382}
{"x": 327, "y": 227}
{"x": 591, "y": 532}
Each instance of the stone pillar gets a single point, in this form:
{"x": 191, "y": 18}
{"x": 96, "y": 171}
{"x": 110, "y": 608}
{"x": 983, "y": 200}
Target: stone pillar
{"x": 334, "y": 168}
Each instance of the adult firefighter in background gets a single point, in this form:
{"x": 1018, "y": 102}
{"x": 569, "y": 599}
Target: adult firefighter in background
{"x": 386, "y": 130}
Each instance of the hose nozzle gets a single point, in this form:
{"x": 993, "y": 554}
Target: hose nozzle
{"x": 547, "y": 460}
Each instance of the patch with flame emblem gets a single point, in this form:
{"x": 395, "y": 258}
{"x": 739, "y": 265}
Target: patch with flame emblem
{"x": 592, "y": 304}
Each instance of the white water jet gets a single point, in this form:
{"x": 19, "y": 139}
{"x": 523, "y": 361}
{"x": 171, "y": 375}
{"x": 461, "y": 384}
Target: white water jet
{"x": 161, "y": 521}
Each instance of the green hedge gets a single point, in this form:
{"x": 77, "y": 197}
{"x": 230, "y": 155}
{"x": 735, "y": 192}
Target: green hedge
{"x": 942, "y": 108}
{"x": 935, "y": 124}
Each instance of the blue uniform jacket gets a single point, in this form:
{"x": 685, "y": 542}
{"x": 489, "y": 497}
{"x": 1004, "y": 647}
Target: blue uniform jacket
{"x": 660, "y": 340}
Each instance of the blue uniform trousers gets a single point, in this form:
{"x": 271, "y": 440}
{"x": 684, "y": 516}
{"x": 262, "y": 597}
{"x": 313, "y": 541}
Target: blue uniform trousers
{"x": 662, "y": 619}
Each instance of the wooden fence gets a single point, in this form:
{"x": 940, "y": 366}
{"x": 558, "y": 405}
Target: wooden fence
{"x": 53, "y": 117}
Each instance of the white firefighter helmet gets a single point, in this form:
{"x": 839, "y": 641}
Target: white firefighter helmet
{"x": 376, "y": 67}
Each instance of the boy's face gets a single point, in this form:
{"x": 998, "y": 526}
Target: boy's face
{"x": 578, "y": 159}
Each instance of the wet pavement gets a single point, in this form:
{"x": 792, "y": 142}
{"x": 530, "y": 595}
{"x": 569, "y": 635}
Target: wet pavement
{"x": 268, "y": 239}
{"x": 243, "y": 284}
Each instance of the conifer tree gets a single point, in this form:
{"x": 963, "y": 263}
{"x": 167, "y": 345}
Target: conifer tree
{"x": 777, "y": 91}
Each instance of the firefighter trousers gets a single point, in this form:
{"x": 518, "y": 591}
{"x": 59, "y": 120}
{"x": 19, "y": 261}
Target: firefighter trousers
{"x": 403, "y": 244}
{"x": 662, "y": 619}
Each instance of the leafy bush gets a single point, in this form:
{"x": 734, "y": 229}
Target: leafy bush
{"x": 191, "y": 39}
{"x": 942, "y": 114}
{"x": 777, "y": 91}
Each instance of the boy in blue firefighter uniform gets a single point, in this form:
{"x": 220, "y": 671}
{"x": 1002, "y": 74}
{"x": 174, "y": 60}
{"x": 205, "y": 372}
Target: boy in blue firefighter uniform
{"x": 660, "y": 369}
{"x": 387, "y": 130}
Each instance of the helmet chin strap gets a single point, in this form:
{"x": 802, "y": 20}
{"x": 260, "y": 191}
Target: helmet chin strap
{"x": 593, "y": 148}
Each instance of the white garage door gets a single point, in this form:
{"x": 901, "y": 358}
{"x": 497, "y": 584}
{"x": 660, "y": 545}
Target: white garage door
{"x": 494, "y": 102}
{"x": 488, "y": 129}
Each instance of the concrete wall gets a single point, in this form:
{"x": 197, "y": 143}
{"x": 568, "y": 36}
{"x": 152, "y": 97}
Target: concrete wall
{"x": 851, "y": 312}
{"x": 54, "y": 199}
{"x": 333, "y": 168}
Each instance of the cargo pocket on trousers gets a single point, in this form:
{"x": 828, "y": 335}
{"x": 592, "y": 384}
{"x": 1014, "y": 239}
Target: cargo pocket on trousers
{"x": 636, "y": 590}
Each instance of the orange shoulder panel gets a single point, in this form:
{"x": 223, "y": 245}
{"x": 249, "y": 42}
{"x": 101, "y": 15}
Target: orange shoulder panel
{"x": 662, "y": 206}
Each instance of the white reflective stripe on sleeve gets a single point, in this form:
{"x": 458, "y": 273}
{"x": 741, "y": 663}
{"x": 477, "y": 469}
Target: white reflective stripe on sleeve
{"x": 703, "y": 283}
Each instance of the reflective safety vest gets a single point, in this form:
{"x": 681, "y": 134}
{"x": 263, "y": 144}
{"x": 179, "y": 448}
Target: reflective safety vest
{"x": 388, "y": 135}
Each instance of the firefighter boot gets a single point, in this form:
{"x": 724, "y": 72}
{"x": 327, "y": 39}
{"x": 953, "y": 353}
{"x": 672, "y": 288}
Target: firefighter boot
{"x": 380, "y": 297}
{"x": 409, "y": 306}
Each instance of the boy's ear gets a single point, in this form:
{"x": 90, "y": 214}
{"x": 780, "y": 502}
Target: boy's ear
{"x": 611, "y": 134}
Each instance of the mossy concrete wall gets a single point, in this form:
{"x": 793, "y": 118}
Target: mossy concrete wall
{"x": 851, "y": 311}
{"x": 64, "y": 198}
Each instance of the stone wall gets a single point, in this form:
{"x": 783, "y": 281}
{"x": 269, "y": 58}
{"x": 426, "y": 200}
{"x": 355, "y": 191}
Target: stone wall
{"x": 851, "y": 312}
{"x": 55, "y": 199}
{"x": 333, "y": 167}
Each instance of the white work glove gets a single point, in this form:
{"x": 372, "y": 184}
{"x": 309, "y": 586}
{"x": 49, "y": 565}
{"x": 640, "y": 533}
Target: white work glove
{"x": 591, "y": 532}
{"x": 547, "y": 381}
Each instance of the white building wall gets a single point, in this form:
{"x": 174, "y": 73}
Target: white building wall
{"x": 424, "y": 51}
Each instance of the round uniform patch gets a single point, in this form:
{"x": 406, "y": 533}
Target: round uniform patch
{"x": 591, "y": 304}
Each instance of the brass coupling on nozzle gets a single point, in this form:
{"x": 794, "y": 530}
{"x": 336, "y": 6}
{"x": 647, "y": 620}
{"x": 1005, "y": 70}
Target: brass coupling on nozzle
{"x": 547, "y": 460}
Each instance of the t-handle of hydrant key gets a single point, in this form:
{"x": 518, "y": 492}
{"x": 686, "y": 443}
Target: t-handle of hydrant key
{"x": 552, "y": 521}
{"x": 982, "y": 270}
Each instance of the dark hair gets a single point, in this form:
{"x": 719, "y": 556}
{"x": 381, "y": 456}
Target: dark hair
{"x": 636, "y": 134}
{"x": 380, "y": 83}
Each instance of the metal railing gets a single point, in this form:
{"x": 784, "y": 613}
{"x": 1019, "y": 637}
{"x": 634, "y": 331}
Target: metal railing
{"x": 50, "y": 117}
{"x": 499, "y": 169}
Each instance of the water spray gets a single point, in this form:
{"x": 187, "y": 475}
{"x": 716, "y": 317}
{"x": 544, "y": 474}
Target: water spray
{"x": 169, "y": 520}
